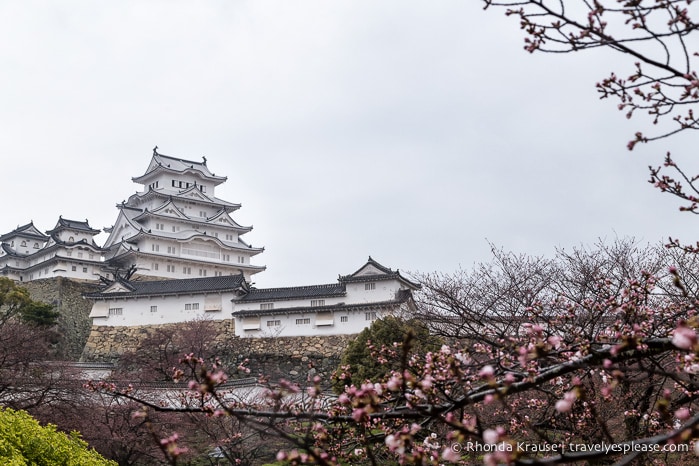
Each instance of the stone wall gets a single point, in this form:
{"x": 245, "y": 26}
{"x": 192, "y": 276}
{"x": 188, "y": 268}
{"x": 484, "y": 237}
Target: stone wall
{"x": 74, "y": 322}
{"x": 293, "y": 358}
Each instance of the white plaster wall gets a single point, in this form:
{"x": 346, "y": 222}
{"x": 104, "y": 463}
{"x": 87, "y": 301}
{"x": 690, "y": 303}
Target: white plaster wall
{"x": 356, "y": 322}
{"x": 170, "y": 309}
{"x": 385, "y": 290}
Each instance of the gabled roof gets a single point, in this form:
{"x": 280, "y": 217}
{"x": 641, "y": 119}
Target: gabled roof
{"x": 373, "y": 271}
{"x": 161, "y": 162}
{"x": 127, "y": 289}
{"x": 294, "y": 292}
{"x": 167, "y": 196}
{"x": 76, "y": 225}
{"x": 26, "y": 231}
{"x": 191, "y": 235}
{"x": 229, "y": 221}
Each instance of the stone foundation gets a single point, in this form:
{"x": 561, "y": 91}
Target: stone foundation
{"x": 73, "y": 322}
{"x": 294, "y": 358}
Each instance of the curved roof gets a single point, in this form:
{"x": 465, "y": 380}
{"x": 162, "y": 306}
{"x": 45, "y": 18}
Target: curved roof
{"x": 168, "y": 196}
{"x": 27, "y": 231}
{"x": 373, "y": 271}
{"x": 76, "y": 225}
{"x": 185, "y": 236}
{"x": 164, "y": 163}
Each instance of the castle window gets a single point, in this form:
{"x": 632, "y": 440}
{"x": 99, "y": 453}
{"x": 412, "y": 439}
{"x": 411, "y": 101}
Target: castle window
{"x": 24, "y": 244}
{"x": 80, "y": 255}
{"x": 202, "y": 189}
{"x": 69, "y": 253}
{"x": 202, "y": 272}
{"x": 174, "y": 185}
{"x": 154, "y": 309}
{"x": 266, "y": 306}
{"x": 116, "y": 311}
{"x": 84, "y": 269}
{"x": 155, "y": 247}
{"x": 370, "y": 316}
{"x": 73, "y": 268}
{"x": 241, "y": 259}
{"x": 369, "y": 286}
{"x": 191, "y": 306}
{"x": 304, "y": 321}
{"x": 170, "y": 268}
{"x": 344, "y": 318}
{"x": 274, "y": 323}
{"x": 155, "y": 266}
{"x": 187, "y": 270}
{"x": 71, "y": 239}
{"x": 317, "y": 302}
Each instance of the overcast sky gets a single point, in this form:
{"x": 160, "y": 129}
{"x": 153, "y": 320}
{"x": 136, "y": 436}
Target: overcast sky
{"x": 415, "y": 132}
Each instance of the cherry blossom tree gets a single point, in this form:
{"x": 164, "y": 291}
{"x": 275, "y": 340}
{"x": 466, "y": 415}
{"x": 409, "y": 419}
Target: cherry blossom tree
{"x": 590, "y": 356}
{"x": 657, "y": 78}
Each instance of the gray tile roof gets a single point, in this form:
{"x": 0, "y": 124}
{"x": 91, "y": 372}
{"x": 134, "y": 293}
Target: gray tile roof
{"x": 173, "y": 287}
{"x": 27, "y": 231}
{"x": 64, "y": 223}
{"x": 295, "y": 292}
{"x": 400, "y": 299}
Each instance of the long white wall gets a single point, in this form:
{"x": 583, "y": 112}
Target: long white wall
{"x": 161, "y": 309}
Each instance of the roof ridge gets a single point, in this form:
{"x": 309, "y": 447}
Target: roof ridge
{"x": 298, "y": 287}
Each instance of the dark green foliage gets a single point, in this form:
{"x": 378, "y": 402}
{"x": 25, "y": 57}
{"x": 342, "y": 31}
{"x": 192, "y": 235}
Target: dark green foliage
{"x": 38, "y": 314}
{"x": 16, "y": 302}
{"x": 412, "y": 337}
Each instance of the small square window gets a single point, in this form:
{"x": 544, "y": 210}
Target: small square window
{"x": 343, "y": 318}
{"x": 154, "y": 309}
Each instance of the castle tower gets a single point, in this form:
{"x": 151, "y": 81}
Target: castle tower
{"x": 69, "y": 250}
{"x": 177, "y": 227}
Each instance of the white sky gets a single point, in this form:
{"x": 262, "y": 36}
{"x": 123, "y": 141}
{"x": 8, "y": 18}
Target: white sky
{"x": 412, "y": 131}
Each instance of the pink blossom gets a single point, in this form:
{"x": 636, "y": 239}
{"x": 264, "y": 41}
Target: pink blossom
{"x": 490, "y": 436}
{"x": 448, "y": 454}
{"x": 487, "y": 372}
{"x": 682, "y": 414}
{"x": 566, "y": 404}
{"x": 555, "y": 341}
{"x": 684, "y": 337}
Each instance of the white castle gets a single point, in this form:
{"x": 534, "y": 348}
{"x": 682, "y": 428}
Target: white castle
{"x": 175, "y": 254}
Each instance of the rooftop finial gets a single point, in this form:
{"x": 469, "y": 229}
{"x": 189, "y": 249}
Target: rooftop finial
{"x": 204, "y": 158}
{"x": 155, "y": 150}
